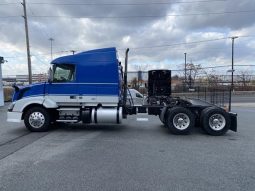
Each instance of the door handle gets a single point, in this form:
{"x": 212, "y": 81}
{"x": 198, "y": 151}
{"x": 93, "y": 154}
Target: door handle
{"x": 72, "y": 97}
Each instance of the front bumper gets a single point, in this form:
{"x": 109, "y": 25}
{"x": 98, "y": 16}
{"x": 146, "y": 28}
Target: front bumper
{"x": 13, "y": 116}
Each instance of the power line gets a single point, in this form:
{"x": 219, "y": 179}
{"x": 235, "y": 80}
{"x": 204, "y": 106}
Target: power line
{"x": 136, "y": 48}
{"x": 43, "y": 32}
{"x": 45, "y": 54}
{"x": 125, "y": 4}
{"x": 157, "y": 46}
{"x": 183, "y": 43}
{"x": 10, "y": 16}
{"x": 146, "y": 16}
{"x": 222, "y": 66}
{"x": 9, "y": 3}
{"x": 146, "y": 47}
{"x": 169, "y": 45}
{"x": 134, "y": 16}
{"x": 44, "y": 63}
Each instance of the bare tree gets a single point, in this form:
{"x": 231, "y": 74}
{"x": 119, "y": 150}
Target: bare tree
{"x": 192, "y": 72}
{"x": 142, "y": 67}
{"x": 245, "y": 77}
{"x": 212, "y": 80}
{"x": 134, "y": 83}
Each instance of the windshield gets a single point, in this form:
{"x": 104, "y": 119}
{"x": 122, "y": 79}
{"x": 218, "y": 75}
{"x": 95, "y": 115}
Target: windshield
{"x": 63, "y": 72}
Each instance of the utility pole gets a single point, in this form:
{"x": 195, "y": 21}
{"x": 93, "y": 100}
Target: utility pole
{"x": 51, "y": 40}
{"x": 27, "y": 42}
{"x": 232, "y": 73}
{"x": 185, "y": 69}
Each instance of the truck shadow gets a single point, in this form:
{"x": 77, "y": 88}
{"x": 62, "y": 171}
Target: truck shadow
{"x": 195, "y": 131}
{"x": 90, "y": 127}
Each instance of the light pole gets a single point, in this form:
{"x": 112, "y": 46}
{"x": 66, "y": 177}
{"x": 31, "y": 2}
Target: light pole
{"x": 185, "y": 68}
{"x": 232, "y": 73}
{"x": 51, "y": 40}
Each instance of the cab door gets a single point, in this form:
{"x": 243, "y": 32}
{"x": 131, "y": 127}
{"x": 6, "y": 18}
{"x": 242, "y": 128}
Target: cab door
{"x": 63, "y": 88}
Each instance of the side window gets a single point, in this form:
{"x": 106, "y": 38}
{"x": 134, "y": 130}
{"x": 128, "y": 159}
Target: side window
{"x": 63, "y": 72}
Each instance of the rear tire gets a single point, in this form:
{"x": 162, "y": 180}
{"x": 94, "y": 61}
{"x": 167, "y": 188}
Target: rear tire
{"x": 180, "y": 120}
{"x": 37, "y": 119}
{"x": 215, "y": 121}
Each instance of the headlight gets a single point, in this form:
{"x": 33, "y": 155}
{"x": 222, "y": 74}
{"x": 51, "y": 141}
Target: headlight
{"x": 11, "y": 106}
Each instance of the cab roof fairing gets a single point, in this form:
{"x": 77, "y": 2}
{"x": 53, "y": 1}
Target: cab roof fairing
{"x": 99, "y": 69}
{"x": 97, "y": 56}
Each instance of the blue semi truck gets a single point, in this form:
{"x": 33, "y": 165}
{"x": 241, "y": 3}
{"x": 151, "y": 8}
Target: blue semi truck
{"x": 91, "y": 87}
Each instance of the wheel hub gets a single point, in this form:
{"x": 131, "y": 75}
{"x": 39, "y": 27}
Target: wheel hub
{"x": 217, "y": 122}
{"x": 181, "y": 121}
{"x": 36, "y": 119}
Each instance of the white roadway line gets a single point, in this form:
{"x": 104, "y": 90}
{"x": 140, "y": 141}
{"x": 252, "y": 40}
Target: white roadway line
{"x": 142, "y": 119}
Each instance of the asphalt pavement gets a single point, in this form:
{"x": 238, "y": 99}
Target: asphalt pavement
{"x": 243, "y": 98}
{"x": 140, "y": 154}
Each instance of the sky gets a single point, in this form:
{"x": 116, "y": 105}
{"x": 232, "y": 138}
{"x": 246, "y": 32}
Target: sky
{"x": 158, "y": 32}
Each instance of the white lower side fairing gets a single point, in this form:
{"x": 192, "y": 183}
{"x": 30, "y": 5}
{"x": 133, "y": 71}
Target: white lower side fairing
{"x": 14, "y": 116}
{"x": 84, "y": 100}
{"x": 54, "y": 101}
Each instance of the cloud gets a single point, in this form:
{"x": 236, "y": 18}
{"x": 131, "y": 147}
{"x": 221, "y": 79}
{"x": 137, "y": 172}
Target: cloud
{"x": 72, "y": 32}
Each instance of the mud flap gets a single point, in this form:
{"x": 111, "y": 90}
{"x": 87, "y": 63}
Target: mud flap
{"x": 233, "y": 118}
{"x": 163, "y": 113}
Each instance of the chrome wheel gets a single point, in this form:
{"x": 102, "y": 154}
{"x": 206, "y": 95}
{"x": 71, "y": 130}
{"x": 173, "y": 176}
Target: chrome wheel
{"x": 217, "y": 122}
{"x": 36, "y": 119}
{"x": 181, "y": 121}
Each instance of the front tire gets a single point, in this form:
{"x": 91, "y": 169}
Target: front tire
{"x": 215, "y": 121}
{"x": 180, "y": 120}
{"x": 37, "y": 119}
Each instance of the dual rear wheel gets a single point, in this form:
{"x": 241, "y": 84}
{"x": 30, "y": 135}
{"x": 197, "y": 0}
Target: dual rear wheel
{"x": 215, "y": 121}
{"x": 180, "y": 120}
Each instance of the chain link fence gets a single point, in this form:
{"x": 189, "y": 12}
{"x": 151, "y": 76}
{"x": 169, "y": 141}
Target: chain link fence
{"x": 216, "y": 90}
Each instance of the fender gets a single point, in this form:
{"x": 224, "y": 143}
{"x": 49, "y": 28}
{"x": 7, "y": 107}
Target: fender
{"x": 48, "y": 103}
{"x": 21, "y": 104}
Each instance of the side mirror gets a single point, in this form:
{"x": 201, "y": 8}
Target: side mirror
{"x": 15, "y": 87}
{"x": 50, "y": 75}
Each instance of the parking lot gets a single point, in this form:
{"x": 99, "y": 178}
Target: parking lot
{"x": 137, "y": 155}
